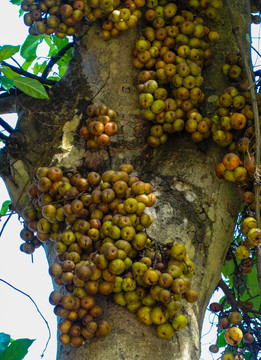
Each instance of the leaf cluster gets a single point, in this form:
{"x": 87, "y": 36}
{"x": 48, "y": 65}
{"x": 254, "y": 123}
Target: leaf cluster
{"x": 13, "y": 349}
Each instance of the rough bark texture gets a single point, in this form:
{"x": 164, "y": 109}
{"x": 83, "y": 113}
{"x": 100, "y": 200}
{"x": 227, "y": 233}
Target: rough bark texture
{"x": 193, "y": 206}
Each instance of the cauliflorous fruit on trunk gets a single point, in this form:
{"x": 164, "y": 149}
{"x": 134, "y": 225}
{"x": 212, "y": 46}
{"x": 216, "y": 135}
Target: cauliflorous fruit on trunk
{"x": 119, "y": 299}
{"x": 249, "y": 164}
{"x": 215, "y": 307}
{"x": 228, "y": 356}
{"x": 231, "y": 161}
{"x": 248, "y": 338}
{"x": 128, "y": 284}
{"x": 214, "y": 348}
{"x": 240, "y": 174}
{"x": 104, "y": 329}
{"x": 116, "y": 267}
{"x": 191, "y": 296}
{"x": 235, "y": 318}
{"x": 248, "y": 224}
{"x": 68, "y": 301}
{"x": 83, "y": 272}
{"x": 165, "y": 331}
{"x": 234, "y": 71}
{"x": 224, "y": 323}
{"x": 242, "y": 252}
{"x": 143, "y": 315}
{"x": 159, "y": 315}
{"x": 238, "y": 121}
{"x": 254, "y": 235}
{"x": 233, "y": 335}
{"x": 179, "y": 322}
{"x": 178, "y": 251}
{"x": 64, "y": 339}
{"x": 139, "y": 268}
{"x": 179, "y": 286}
{"x": 150, "y": 277}
{"x": 55, "y": 297}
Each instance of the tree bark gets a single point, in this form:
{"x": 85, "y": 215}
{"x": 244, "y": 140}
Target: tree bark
{"x": 193, "y": 206}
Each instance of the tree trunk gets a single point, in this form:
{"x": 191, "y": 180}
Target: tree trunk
{"x": 193, "y": 206}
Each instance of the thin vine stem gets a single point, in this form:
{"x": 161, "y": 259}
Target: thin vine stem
{"x": 38, "y": 310}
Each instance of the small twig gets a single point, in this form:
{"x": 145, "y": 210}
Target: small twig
{"x": 27, "y": 74}
{"x": 6, "y": 126}
{"x": 56, "y": 58}
{"x": 38, "y": 310}
{"x": 17, "y": 63}
{"x": 258, "y": 53}
{"x": 257, "y": 129}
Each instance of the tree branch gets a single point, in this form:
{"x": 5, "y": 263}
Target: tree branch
{"x": 27, "y": 74}
{"x": 8, "y": 104}
{"x": 234, "y": 303}
{"x": 56, "y": 58}
{"x": 6, "y": 126}
{"x": 252, "y": 90}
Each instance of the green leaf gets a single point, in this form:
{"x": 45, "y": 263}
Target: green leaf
{"x": 221, "y": 340}
{"x": 4, "y": 341}
{"x": 55, "y": 78}
{"x": 7, "y": 51}
{"x": 17, "y": 350}
{"x": 36, "y": 68}
{"x": 21, "y": 12}
{"x": 39, "y": 68}
{"x": 31, "y": 87}
{"x": 27, "y": 64}
{"x": 251, "y": 282}
{"x": 10, "y": 74}
{"x": 28, "y": 49}
{"x": 16, "y": 2}
{"x": 60, "y": 43}
{"x": 48, "y": 40}
{"x": 228, "y": 268}
{"x": 247, "y": 355}
{"x": 52, "y": 51}
{"x": 222, "y": 299}
{"x": 62, "y": 70}
{"x": 5, "y": 207}
{"x": 6, "y": 83}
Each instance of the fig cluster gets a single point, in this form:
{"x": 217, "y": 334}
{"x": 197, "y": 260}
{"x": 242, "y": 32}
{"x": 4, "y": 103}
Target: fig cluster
{"x": 233, "y": 169}
{"x": 156, "y": 292}
{"x": 60, "y": 17}
{"x": 233, "y": 113}
{"x": 235, "y": 330}
{"x": 171, "y": 53}
{"x": 97, "y": 225}
{"x": 56, "y": 17}
{"x": 250, "y": 238}
{"x": 100, "y": 126}
{"x": 232, "y": 127}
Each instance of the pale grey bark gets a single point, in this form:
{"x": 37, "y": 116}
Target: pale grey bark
{"x": 193, "y": 207}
